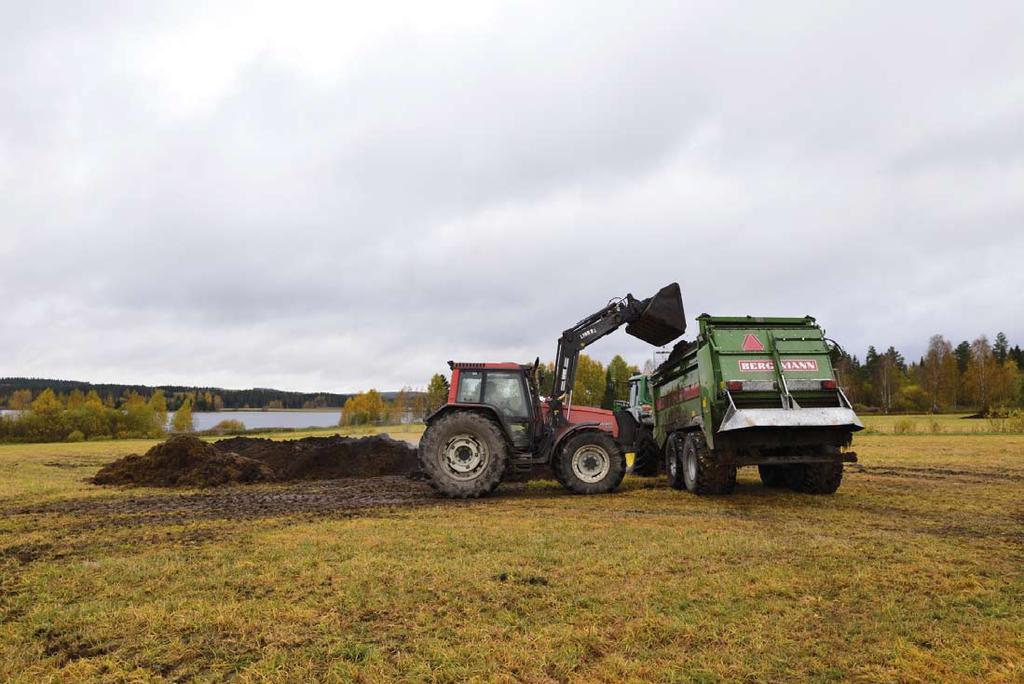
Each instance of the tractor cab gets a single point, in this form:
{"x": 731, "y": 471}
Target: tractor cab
{"x": 639, "y": 405}
{"x": 506, "y": 391}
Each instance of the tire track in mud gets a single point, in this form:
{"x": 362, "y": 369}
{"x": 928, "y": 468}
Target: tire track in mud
{"x": 937, "y": 473}
{"x": 342, "y": 497}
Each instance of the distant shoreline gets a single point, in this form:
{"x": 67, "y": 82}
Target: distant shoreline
{"x": 329, "y": 409}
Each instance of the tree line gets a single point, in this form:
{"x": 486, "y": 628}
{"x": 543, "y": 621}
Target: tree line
{"x": 978, "y": 375}
{"x": 78, "y": 416}
{"x": 18, "y": 393}
{"x": 49, "y": 417}
{"x": 405, "y": 406}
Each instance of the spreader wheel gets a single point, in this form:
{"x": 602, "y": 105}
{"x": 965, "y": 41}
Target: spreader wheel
{"x": 773, "y": 476}
{"x": 817, "y": 478}
{"x": 702, "y": 473}
{"x": 674, "y": 462}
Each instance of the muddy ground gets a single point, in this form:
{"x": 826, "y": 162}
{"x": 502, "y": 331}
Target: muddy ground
{"x": 349, "y": 496}
{"x": 338, "y": 497}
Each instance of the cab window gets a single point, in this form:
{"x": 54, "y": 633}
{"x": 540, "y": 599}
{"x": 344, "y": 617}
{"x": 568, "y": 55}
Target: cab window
{"x": 504, "y": 391}
{"x": 469, "y": 387}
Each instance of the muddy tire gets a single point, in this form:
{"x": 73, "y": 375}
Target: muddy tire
{"x": 590, "y": 463}
{"x": 557, "y": 472}
{"x": 464, "y": 454}
{"x": 702, "y": 474}
{"x": 773, "y": 476}
{"x": 645, "y": 461}
{"x": 674, "y": 462}
{"x": 816, "y": 478}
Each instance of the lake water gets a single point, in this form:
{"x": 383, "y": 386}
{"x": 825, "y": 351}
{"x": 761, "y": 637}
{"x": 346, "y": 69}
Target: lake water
{"x": 268, "y": 419}
{"x": 257, "y": 419}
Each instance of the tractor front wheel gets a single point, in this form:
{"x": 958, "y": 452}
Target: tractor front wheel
{"x": 590, "y": 463}
{"x": 464, "y": 454}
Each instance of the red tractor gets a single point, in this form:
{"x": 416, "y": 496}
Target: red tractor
{"x": 496, "y": 422}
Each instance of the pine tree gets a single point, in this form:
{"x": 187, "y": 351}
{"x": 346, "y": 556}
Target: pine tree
{"x": 1017, "y": 354}
{"x": 1001, "y": 348}
{"x": 963, "y": 355}
{"x": 617, "y": 381}
{"x": 437, "y": 392}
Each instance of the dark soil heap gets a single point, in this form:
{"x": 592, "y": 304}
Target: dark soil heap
{"x": 324, "y": 458}
{"x": 186, "y": 461}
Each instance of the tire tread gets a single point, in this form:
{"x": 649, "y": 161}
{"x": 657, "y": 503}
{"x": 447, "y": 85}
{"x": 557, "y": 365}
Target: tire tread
{"x": 433, "y": 440}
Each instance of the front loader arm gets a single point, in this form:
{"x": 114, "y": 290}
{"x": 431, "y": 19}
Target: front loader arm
{"x": 657, "y": 320}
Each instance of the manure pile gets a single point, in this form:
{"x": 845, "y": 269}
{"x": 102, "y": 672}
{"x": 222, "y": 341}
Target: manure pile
{"x": 186, "y": 461}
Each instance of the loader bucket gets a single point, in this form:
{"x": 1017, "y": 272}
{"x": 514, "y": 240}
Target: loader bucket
{"x": 663, "y": 319}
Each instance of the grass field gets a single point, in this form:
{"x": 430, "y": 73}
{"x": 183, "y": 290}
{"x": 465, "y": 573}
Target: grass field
{"x": 949, "y": 424}
{"x": 914, "y": 571}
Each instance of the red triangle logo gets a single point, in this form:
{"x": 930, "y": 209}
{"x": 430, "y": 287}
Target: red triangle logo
{"x": 752, "y": 344}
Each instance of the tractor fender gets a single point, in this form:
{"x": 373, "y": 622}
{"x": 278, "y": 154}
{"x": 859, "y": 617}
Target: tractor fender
{"x": 485, "y": 409}
{"x": 629, "y": 428}
{"x": 574, "y": 430}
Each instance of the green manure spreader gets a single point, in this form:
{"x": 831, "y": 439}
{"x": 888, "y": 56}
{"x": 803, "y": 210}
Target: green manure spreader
{"x": 752, "y": 391}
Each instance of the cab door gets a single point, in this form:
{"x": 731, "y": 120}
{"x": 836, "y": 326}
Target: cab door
{"x": 506, "y": 391}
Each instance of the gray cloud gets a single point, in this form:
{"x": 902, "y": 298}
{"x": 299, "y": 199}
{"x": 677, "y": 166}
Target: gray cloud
{"x": 254, "y": 196}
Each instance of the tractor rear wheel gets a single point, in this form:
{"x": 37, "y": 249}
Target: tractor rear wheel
{"x": 702, "y": 474}
{"x": 464, "y": 454}
{"x": 590, "y": 463}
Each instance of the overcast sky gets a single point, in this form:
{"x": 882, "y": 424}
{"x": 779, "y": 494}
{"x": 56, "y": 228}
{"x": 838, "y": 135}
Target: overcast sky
{"x": 347, "y": 195}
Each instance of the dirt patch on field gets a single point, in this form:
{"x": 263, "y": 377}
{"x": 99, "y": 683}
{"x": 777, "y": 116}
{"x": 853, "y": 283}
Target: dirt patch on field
{"x": 186, "y": 461}
{"x": 26, "y": 553}
{"x": 68, "y": 647}
{"x": 938, "y": 473}
{"x": 322, "y": 498}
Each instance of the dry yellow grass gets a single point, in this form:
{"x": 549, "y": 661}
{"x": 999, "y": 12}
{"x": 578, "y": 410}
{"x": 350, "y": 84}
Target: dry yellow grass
{"x": 912, "y": 572}
{"x": 951, "y": 424}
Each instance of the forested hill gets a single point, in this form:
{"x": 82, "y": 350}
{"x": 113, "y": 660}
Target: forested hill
{"x": 203, "y": 398}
